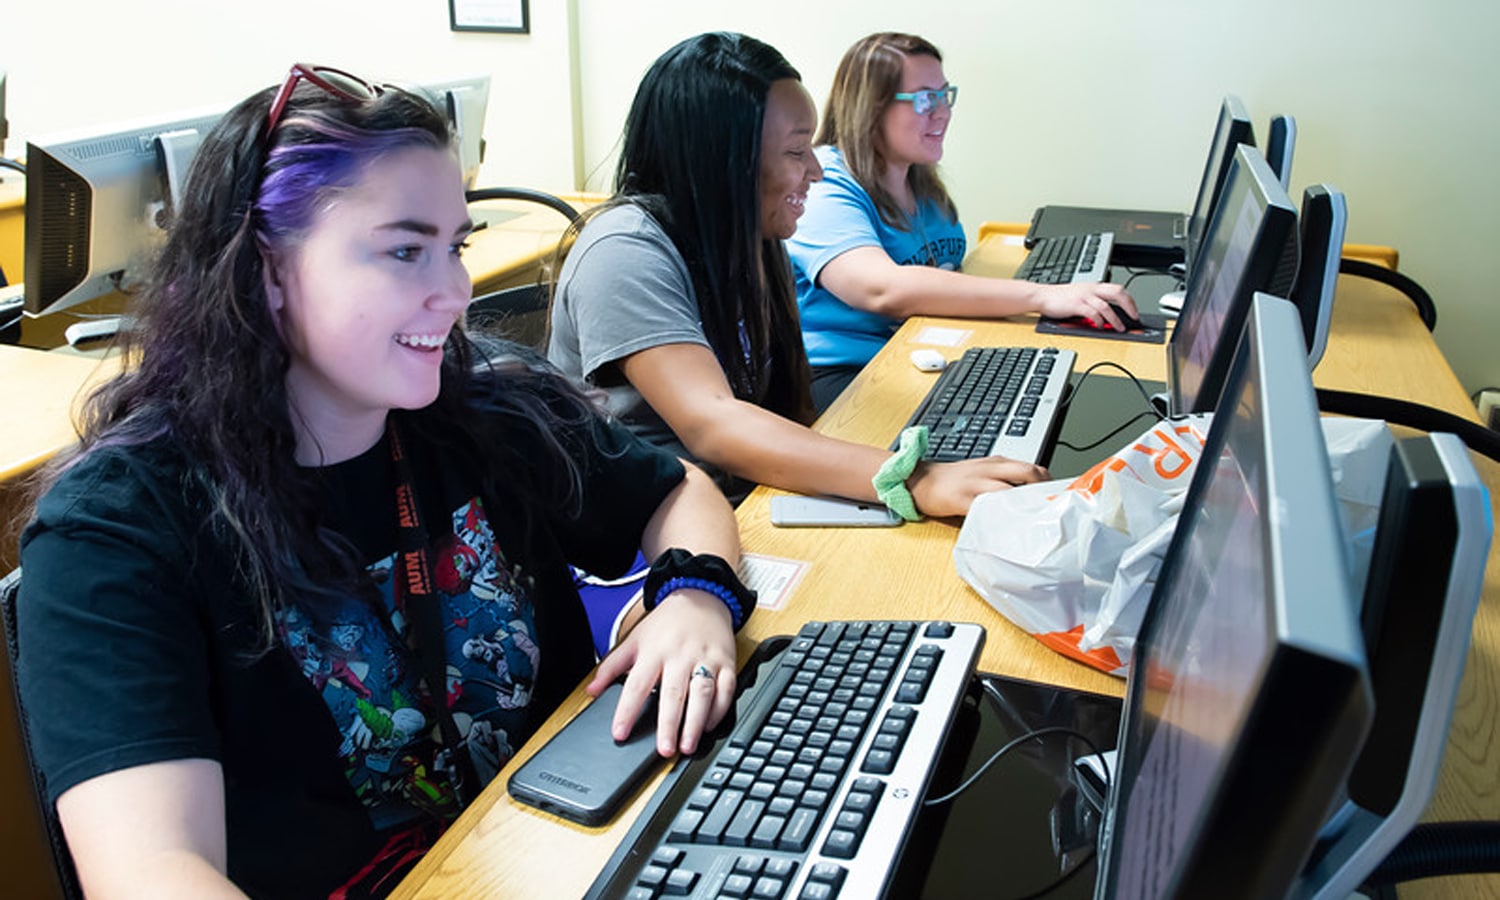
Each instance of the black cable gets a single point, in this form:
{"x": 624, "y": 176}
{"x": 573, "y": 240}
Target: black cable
{"x": 1435, "y": 849}
{"x": 1010, "y": 745}
{"x": 8, "y": 163}
{"x": 1083, "y": 378}
{"x": 991, "y": 691}
{"x": 1413, "y": 415}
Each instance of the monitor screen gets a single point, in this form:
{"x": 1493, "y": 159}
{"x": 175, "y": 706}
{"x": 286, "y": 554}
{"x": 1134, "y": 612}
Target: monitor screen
{"x": 465, "y": 102}
{"x": 1247, "y": 695}
{"x": 1232, "y": 129}
{"x": 96, "y": 205}
{"x": 1244, "y": 250}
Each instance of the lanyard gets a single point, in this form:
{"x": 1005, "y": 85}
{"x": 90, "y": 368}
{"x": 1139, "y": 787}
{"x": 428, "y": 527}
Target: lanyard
{"x": 422, "y": 607}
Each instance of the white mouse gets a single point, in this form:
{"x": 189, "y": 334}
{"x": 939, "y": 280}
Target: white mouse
{"x": 928, "y": 360}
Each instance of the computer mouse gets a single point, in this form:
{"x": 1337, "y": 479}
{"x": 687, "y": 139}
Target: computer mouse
{"x": 928, "y": 360}
{"x": 1130, "y": 322}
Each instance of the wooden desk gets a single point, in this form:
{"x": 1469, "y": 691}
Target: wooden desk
{"x": 499, "y": 848}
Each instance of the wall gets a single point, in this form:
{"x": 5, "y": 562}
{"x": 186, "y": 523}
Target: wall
{"x": 100, "y": 61}
{"x": 1112, "y": 104}
{"x": 1079, "y": 101}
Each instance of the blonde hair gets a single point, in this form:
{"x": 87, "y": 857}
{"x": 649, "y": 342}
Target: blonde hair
{"x": 864, "y": 87}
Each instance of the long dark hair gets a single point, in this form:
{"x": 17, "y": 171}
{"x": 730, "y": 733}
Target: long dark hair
{"x": 206, "y": 365}
{"x": 864, "y": 87}
{"x": 691, "y": 158}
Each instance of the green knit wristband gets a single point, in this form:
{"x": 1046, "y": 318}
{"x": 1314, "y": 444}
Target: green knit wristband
{"x": 890, "y": 481}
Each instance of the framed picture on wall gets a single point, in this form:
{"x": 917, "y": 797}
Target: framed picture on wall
{"x": 505, "y": 16}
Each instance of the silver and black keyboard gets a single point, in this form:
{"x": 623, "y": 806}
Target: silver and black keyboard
{"x": 814, "y": 791}
{"x": 996, "y": 401}
{"x": 1066, "y": 258}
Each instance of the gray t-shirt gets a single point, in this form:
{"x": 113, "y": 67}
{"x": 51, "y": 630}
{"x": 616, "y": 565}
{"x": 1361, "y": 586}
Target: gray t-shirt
{"x": 625, "y": 288}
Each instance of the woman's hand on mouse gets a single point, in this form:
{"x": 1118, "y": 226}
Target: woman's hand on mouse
{"x": 1091, "y": 301}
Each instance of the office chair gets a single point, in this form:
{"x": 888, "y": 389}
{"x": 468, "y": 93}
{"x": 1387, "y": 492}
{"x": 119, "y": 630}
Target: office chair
{"x": 1415, "y": 292}
{"x": 518, "y": 313}
{"x": 1476, "y": 437}
{"x": 62, "y": 860}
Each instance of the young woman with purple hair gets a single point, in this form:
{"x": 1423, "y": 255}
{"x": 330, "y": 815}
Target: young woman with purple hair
{"x": 303, "y": 587}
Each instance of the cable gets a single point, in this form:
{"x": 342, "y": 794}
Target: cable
{"x": 8, "y": 163}
{"x": 1083, "y": 378}
{"x": 1012, "y": 744}
{"x": 1435, "y": 849}
{"x": 992, "y": 692}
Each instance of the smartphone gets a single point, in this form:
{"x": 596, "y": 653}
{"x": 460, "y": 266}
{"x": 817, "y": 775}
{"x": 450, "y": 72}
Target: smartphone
{"x": 791, "y": 511}
{"x": 582, "y": 773}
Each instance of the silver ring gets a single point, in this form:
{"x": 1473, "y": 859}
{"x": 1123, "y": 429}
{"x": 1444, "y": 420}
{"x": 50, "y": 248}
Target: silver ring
{"x": 704, "y": 672}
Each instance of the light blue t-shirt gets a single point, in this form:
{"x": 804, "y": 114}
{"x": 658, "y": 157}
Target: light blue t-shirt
{"x": 839, "y": 217}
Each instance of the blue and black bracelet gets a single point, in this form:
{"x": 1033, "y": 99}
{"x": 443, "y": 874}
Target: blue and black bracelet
{"x": 677, "y": 569}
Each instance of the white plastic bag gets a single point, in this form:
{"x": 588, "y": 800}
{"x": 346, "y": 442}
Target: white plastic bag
{"x": 1074, "y": 562}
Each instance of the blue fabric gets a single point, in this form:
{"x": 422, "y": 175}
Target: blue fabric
{"x": 840, "y": 216}
{"x": 603, "y": 599}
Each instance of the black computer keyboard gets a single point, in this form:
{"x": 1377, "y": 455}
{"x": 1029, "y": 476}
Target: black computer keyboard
{"x": 1067, "y": 258}
{"x": 814, "y": 791}
{"x": 1004, "y": 401}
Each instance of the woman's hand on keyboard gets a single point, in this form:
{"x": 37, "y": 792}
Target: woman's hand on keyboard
{"x": 687, "y": 630}
{"x": 948, "y": 489}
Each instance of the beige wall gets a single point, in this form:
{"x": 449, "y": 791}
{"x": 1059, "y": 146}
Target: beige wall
{"x": 1085, "y": 101}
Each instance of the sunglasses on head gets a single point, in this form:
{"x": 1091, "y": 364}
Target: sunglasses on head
{"x": 924, "y": 102}
{"x": 335, "y": 82}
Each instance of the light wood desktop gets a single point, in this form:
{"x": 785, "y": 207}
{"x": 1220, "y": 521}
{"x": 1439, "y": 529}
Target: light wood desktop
{"x": 499, "y": 848}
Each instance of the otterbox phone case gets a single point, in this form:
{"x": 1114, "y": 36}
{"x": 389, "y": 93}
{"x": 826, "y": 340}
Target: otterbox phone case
{"x": 582, "y": 774}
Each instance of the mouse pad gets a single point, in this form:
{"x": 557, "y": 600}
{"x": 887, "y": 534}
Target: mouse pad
{"x": 1153, "y": 332}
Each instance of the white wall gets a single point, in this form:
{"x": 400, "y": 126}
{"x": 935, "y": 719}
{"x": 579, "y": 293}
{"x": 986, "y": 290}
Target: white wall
{"x": 99, "y": 61}
{"x": 1084, "y": 101}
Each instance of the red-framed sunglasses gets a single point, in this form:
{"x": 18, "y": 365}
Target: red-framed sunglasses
{"x": 336, "y": 82}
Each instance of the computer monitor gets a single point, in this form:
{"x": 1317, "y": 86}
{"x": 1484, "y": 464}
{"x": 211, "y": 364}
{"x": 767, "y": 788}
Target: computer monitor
{"x": 1244, "y": 251}
{"x": 1322, "y": 220}
{"x": 1248, "y": 695}
{"x": 1232, "y": 130}
{"x": 465, "y": 101}
{"x": 1426, "y": 573}
{"x": 1281, "y": 141}
{"x": 97, "y": 204}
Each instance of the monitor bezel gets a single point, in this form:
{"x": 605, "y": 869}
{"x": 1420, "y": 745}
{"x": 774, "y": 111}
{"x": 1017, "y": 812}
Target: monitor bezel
{"x": 1273, "y": 239}
{"x": 1232, "y": 129}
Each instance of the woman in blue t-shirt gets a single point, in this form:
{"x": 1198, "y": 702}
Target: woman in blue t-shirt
{"x": 880, "y": 239}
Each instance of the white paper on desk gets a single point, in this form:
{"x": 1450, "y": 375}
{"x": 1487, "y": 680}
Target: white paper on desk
{"x": 771, "y": 577}
{"x": 941, "y": 337}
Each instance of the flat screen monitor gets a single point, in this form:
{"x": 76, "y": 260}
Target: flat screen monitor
{"x": 1321, "y": 223}
{"x": 1248, "y": 695}
{"x": 464, "y": 101}
{"x": 1232, "y": 130}
{"x": 96, "y": 204}
{"x": 1281, "y": 142}
{"x": 1426, "y": 573}
{"x": 1244, "y": 251}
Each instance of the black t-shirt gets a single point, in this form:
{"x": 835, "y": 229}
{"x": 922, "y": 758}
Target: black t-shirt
{"x": 137, "y": 642}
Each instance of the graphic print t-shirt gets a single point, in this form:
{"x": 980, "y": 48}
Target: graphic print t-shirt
{"x": 356, "y": 652}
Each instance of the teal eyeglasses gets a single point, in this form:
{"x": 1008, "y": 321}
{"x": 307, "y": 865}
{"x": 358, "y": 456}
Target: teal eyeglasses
{"x": 924, "y": 102}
